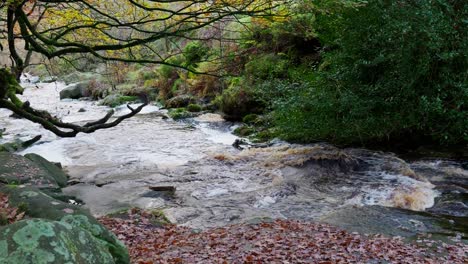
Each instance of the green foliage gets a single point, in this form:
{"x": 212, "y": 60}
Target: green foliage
{"x": 179, "y": 113}
{"x": 194, "y": 52}
{"x": 115, "y": 100}
{"x": 194, "y": 108}
{"x": 250, "y": 119}
{"x": 267, "y": 66}
{"x": 238, "y": 100}
{"x": 398, "y": 72}
{"x": 244, "y": 131}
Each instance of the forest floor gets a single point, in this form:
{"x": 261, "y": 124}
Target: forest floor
{"x": 279, "y": 241}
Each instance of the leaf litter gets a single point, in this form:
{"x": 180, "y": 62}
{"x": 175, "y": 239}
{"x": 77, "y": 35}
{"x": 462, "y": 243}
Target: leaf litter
{"x": 278, "y": 241}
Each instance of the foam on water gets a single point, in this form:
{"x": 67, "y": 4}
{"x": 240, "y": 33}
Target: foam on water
{"x": 52, "y": 151}
{"x": 218, "y": 136}
{"x": 397, "y": 191}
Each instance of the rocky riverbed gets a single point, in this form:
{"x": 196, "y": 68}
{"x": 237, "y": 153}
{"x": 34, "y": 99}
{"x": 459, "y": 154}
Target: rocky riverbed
{"x": 216, "y": 184}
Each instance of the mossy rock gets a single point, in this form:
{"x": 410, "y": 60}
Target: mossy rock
{"x": 179, "y": 113}
{"x": 194, "y": 108}
{"x": 114, "y": 100}
{"x": 75, "y": 91}
{"x": 16, "y": 169}
{"x": 237, "y": 101}
{"x": 57, "y": 173}
{"x": 40, "y": 241}
{"x": 38, "y": 204}
{"x": 244, "y": 131}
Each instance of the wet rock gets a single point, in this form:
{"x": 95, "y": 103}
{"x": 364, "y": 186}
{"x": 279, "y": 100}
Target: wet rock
{"x": 49, "y": 79}
{"x": 38, "y": 204}
{"x": 452, "y": 208}
{"x": 52, "y": 169}
{"x": 16, "y": 169}
{"x": 387, "y": 221}
{"x": 180, "y": 101}
{"x": 43, "y": 241}
{"x": 75, "y": 91}
{"x": 18, "y": 145}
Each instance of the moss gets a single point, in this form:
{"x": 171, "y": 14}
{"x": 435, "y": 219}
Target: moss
{"x": 244, "y": 131}
{"x": 179, "y": 113}
{"x": 263, "y": 136}
{"x": 3, "y": 219}
{"x": 117, "y": 99}
{"x": 194, "y": 108}
{"x": 160, "y": 218}
{"x": 250, "y": 119}
{"x": 238, "y": 101}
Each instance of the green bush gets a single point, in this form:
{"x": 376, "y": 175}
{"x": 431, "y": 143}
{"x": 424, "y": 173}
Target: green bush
{"x": 397, "y": 71}
{"x": 237, "y": 101}
{"x": 194, "y": 108}
{"x": 244, "y": 131}
{"x": 267, "y": 66}
{"x": 194, "y": 52}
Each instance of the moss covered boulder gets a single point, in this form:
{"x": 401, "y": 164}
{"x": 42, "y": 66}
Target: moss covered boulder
{"x": 40, "y": 241}
{"x": 38, "y": 204}
{"x": 75, "y": 91}
{"x": 114, "y": 100}
{"x": 16, "y": 169}
{"x": 53, "y": 170}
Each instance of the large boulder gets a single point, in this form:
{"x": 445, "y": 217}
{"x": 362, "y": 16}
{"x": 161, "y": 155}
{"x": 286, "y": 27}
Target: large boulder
{"x": 75, "y": 91}
{"x": 16, "y": 169}
{"x": 40, "y": 241}
{"x": 38, "y": 204}
{"x": 52, "y": 169}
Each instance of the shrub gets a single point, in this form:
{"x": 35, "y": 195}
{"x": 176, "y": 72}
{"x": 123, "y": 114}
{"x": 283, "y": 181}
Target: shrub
{"x": 194, "y": 52}
{"x": 267, "y": 66}
{"x": 398, "y": 72}
{"x": 244, "y": 131}
{"x": 97, "y": 89}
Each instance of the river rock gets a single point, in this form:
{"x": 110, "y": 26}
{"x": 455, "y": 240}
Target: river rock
{"x": 53, "y": 170}
{"x": 38, "y": 204}
{"x": 49, "y": 79}
{"x": 16, "y": 169}
{"x": 43, "y": 241}
{"x": 388, "y": 221}
{"x": 115, "y": 100}
{"x": 75, "y": 91}
{"x": 180, "y": 101}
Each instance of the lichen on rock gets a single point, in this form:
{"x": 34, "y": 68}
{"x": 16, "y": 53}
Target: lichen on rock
{"x": 41, "y": 241}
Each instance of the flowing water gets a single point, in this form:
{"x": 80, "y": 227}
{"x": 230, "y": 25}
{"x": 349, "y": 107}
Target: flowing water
{"x": 217, "y": 184}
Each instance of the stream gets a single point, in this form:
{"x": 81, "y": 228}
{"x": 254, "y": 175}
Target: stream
{"x": 217, "y": 184}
